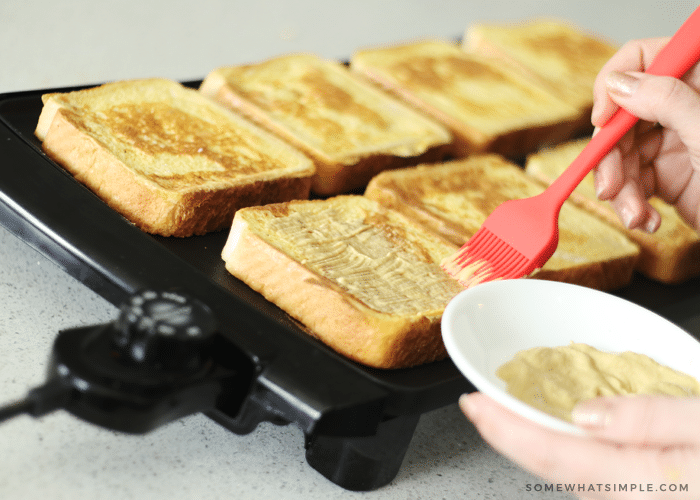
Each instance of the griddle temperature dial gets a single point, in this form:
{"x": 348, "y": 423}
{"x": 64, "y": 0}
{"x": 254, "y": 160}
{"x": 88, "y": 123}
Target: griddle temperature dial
{"x": 160, "y": 360}
{"x": 166, "y": 330}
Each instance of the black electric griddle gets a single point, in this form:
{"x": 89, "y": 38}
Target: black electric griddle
{"x": 357, "y": 421}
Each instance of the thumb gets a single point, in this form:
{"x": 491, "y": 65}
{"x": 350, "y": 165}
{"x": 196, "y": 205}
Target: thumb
{"x": 666, "y": 100}
{"x": 643, "y": 420}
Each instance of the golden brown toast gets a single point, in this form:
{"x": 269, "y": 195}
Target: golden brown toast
{"x": 561, "y": 56}
{"x": 351, "y": 129}
{"x": 453, "y": 200}
{"x": 670, "y": 255}
{"x": 488, "y": 106}
{"x": 364, "y": 280}
{"x": 166, "y": 157}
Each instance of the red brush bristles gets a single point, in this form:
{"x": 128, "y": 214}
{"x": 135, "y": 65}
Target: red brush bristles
{"x": 485, "y": 257}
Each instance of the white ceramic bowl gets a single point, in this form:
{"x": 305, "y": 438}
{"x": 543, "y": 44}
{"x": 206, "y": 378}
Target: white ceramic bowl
{"x": 485, "y": 326}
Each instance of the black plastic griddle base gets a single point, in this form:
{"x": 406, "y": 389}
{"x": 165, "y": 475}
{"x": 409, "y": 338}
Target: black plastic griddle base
{"x": 379, "y": 456}
{"x": 357, "y": 421}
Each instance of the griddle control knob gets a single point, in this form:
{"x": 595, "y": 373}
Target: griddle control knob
{"x": 164, "y": 330}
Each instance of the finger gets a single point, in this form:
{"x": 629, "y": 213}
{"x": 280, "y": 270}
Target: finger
{"x": 692, "y": 77}
{"x": 675, "y": 177}
{"x": 674, "y": 105}
{"x": 653, "y": 220}
{"x": 687, "y": 203}
{"x": 530, "y": 445}
{"x": 647, "y": 145}
{"x": 575, "y": 460}
{"x": 633, "y": 208}
{"x": 649, "y": 141}
{"x": 608, "y": 174}
{"x": 619, "y": 179}
{"x": 669, "y": 101}
{"x": 642, "y": 420}
{"x": 647, "y": 180}
{"x": 635, "y": 55}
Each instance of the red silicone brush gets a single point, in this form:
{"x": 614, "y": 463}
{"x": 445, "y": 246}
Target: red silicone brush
{"x": 521, "y": 235}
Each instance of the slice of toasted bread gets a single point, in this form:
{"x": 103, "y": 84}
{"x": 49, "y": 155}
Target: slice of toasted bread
{"x": 166, "y": 157}
{"x": 670, "y": 255}
{"x": 561, "y": 56}
{"x": 350, "y": 128}
{"x": 488, "y": 106}
{"x": 364, "y": 280}
{"x": 454, "y": 199}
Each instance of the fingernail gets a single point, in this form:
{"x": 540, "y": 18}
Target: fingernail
{"x": 627, "y": 216}
{"x": 599, "y": 191}
{"x": 653, "y": 223}
{"x": 592, "y": 414}
{"x": 600, "y": 183}
{"x": 622, "y": 84}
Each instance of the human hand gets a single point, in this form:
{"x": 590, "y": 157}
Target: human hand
{"x": 646, "y": 444}
{"x": 661, "y": 160}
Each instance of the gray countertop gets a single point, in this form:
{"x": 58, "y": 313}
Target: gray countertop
{"x": 50, "y": 44}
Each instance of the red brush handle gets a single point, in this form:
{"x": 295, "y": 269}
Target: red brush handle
{"x": 675, "y": 59}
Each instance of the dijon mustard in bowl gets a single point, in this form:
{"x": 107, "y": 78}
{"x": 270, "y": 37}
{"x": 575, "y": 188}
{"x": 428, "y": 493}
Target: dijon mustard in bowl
{"x": 539, "y": 347}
